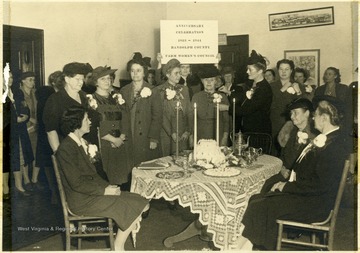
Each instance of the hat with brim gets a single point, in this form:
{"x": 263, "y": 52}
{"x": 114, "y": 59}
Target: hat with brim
{"x": 338, "y": 104}
{"x": 102, "y": 71}
{"x": 27, "y": 74}
{"x": 301, "y": 103}
{"x": 208, "y": 72}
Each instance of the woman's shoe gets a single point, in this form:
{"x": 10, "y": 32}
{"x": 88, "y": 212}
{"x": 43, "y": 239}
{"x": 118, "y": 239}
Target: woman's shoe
{"x": 6, "y": 196}
{"x": 19, "y": 193}
{"x": 29, "y": 187}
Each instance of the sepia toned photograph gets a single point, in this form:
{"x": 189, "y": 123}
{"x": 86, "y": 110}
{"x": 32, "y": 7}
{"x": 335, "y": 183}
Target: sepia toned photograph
{"x": 301, "y": 19}
{"x": 179, "y": 126}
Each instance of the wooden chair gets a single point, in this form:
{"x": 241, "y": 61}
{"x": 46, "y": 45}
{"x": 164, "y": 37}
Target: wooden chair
{"x": 81, "y": 220}
{"x": 259, "y": 140}
{"x": 326, "y": 228}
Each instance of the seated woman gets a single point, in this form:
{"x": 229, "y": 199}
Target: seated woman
{"x": 300, "y": 133}
{"x": 311, "y": 193}
{"x": 86, "y": 192}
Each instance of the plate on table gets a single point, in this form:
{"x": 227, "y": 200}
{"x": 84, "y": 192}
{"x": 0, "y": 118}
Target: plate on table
{"x": 227, "y": 172}
{"x": 154, "y": 165}
{"x": 170, "y": 174}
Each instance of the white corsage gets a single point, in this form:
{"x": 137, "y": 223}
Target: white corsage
{"x": 320, "y": 140}
{"x": 302, "y": 137}
{"x": 93, "y": 152}
{"x": 291, "y": 90}
{"x": 170, "y": 94}
{"x": 145, "y": 92}
{"x": 92, "y": 102}
{"x": 119, "y": 99}
{"x": 250, "y": 93}
{"x": 217, "y": 98}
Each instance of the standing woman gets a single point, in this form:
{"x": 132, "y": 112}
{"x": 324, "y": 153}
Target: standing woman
{"x": 143, "y": 112}
{"x": 253, "y": 105}
{"x": 62, "y": 100}
{"x": 43, "y": 149}
{"x": 111, "y": 127}
{"x": 301, "y": 76}
{"x": 172, "y": 94}
{"x": 206, "y": 109}
{"x": 21, "y": 155}
{"x": 284, "y": 92}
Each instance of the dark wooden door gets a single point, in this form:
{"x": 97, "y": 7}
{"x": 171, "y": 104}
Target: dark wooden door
{"x": 23, "y": 49}
{"x": 236, "y": 53}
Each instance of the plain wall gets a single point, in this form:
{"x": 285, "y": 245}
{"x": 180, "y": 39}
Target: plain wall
{"x": 108, "y": 33}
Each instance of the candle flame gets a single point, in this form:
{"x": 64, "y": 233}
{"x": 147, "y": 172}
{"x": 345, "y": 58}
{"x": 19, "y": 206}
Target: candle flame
{"x": 195, "y": 105}
{"x": 234, "y": 100}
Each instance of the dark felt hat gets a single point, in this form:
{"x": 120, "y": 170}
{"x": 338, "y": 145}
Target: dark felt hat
{"x": 75, "y": 68}
{"x": 256, "y": 58}
{"x": 102, "y": 71}
{"x": 27, "y": 74}
{"x": 208, "y": 72}
{"x": 170, "y": 65}
{"x": 338, "y": 104}
{"x": 301, "y": 103}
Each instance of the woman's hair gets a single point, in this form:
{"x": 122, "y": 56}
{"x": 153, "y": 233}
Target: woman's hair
{"x": 72, "y": 119}
{"x": 56, "y": 80}
{"x": 332, "y": 111}
{"x": 337, "y": 73}
{"x": 137, "y": 61}
{"x": 285, "y": 61}
{"x": 74, "y": 68}
{"x": 271, "y": 71}
{"x": 303, "y": 71}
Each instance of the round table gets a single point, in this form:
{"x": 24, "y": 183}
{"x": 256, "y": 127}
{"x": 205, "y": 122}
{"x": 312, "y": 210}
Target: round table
{"x": 219, "y": 201}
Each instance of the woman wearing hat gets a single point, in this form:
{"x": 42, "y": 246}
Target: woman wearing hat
{"x": 58, "y": 102}
{"x": 172, "y": 94}
{"x": 110, "y": 130}
{"x": 206, "y": 108}
{"x": 298, "y": 135}
{"x": 143, "y": 113}
{"x": 254, "y": 105}
{"x": 17, "y": 141}
{"x": 310, "y": 193}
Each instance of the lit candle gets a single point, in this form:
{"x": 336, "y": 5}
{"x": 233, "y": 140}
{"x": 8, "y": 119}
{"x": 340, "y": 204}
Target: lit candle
{"x": 177, "y": 128}
{"x": 195, "y": 130}
{"x": 233, "y": 132}
{"x": 217, "y": 123}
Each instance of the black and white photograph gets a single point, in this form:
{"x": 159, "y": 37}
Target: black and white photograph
{"x": 179, "y": 126}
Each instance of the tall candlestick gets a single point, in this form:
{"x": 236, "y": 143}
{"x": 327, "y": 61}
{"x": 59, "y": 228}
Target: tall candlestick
{"x": 195, "y": 131}
{"x": 217, "y": 123}
{"x": 177, "y": 128}
{"x": 233, "y": 130}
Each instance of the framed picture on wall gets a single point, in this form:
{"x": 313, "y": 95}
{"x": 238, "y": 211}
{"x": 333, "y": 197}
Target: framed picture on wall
{"x": 301, "y": 18}
{"x": 308, "y": 59}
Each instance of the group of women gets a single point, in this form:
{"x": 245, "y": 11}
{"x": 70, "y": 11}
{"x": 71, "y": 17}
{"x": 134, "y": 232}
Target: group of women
{"x": 141, "y": 122}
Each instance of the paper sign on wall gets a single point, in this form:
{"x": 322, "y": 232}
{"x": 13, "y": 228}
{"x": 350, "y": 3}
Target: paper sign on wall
{"x": 189, "y": 41}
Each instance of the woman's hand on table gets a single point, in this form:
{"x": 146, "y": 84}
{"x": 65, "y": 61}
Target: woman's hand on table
{"x": 278, "y": 186}
{"x": 112, "y": 190}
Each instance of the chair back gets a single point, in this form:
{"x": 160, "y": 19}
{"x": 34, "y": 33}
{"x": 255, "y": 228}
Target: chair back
{"x": 338, "y": 201}
{"x": 259, "y": 140}
{"x": 61, "y": 189}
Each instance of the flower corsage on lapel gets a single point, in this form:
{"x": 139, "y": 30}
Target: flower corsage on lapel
{"x": 145, "y": 92}
{"x": 93, "y": 153}
{"x": 250, "y": 93}
{"x": 118, "y": 98}
{"x": 217, "y": 98}
{"x": 92, "y": 101}
{"x": 303, "y": 137}
{"x": 174, "y": 94}
{"x": 318, "y": 142}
